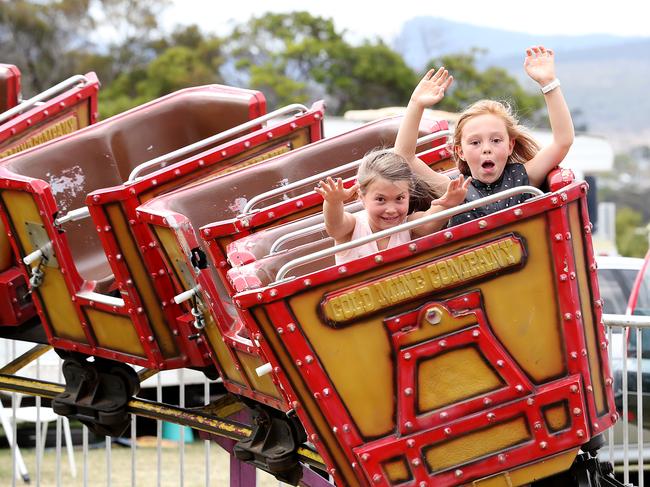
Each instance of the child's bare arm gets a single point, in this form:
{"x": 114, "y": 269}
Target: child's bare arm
{"x": 429, "y": 91}
{"x": 338, "y": 224}
{"x": 540, "y": 66}
{"x": 455, "y": 195}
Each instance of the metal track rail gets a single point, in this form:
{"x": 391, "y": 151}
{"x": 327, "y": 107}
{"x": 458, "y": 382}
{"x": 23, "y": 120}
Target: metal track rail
{"x": 208, "y": 418}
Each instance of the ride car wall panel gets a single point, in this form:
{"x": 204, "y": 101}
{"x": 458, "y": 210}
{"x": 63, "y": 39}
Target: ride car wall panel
{"x": 594, "y": 330}
{"x": 21, "y": 208}
{"x": 142, "y": 279}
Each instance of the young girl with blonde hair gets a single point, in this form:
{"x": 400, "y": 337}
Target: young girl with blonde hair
{"x": 489, "y": 143}
{"x": 385, "y": 185}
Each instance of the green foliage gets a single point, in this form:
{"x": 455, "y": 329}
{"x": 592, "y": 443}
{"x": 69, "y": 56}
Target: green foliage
{"x": 292, "y": 57}
{"x": 297, "y": 56}
{"x": 631, "y": 234}
{"x": 471, "y": 85}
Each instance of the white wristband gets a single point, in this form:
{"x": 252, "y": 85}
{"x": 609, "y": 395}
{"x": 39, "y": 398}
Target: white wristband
{"x": 551, "y": 86}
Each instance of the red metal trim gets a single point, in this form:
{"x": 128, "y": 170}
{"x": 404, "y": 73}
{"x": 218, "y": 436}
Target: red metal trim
{"x": 634, "y": 295}
{"x": 543, "y": 444}
{"x": 502, "y": 218}
{"x": 12, "y": 86}
{"x": 478, "y": 336}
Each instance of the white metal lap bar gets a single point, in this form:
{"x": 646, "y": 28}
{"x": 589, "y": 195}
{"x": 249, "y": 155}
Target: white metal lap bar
{"x": 331, "y": 172}
{"x": 45, "y": 95}
{"x": 442, "y": 215}
{"x": 221, "y": 136}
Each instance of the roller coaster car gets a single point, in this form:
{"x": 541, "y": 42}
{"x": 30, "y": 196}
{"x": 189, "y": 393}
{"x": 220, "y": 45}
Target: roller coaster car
{"x": 43, "y": 193}
{"x": 472, "y": 355}
{"x": 62, "y": 109}
{"x": 176, "y": 217}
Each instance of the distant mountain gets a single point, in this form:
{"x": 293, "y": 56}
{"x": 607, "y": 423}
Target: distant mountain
{"x": 604, "y": 77}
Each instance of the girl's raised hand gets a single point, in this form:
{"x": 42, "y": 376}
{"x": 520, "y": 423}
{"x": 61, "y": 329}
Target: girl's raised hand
{"x": 333, "y": 191}
{"x": 431, "y": 89}
{"x": 455, "y": 194}
{"x": 540, "y": 64}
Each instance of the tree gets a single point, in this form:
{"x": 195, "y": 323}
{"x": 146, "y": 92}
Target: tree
{"x": 187, "y": 58}
{"x": 52, "y": 40}
{"x": 296, "y": 57}
{"x": 471, "y": 84}
{"x": 631, "y": 234}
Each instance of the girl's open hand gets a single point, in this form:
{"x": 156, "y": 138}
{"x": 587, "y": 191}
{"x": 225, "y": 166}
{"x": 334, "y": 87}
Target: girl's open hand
{"x": 333, "y": 191}
{"x": 540, "y": 64}
{"x": 431, "y": 89}
{"x": 455, "y": 194}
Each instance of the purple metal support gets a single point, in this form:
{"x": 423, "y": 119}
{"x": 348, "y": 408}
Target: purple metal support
{"x": 312, "y": 479}
{"x": 242, "y": 474}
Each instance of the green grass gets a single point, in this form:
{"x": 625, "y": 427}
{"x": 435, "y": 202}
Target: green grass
{"x": 146, "y": 471}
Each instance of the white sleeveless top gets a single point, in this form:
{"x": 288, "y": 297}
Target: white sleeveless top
{"x": 362, "y": 229}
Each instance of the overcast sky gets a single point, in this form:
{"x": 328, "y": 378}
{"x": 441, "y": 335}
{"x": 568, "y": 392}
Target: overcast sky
{"x": 365, "y": 19}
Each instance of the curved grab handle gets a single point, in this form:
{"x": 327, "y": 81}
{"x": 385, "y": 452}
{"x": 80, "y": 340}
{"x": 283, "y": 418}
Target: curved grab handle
{"x": 38, "y": 254}
{"x": 45, "y": 95}
{"x": 186, "y": 295}
{"x": 337, "y": 170}
{"x": 263, "y": 370}
{"x": 406, "y": 226}
{"x": 73, "y": 216}
{"x": 226, "y": 134}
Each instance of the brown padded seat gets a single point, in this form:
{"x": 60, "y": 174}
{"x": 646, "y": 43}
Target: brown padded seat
{"x": 104, "y": 154}
{"x": 223, "y": 198}
{"x": 258, "y": 245}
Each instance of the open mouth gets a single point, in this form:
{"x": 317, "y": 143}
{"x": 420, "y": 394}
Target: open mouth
{"x": 488, "y": 165}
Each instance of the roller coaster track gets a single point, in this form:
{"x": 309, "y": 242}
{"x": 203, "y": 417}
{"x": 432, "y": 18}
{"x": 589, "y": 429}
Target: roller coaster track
{"x": 212, "y": 418}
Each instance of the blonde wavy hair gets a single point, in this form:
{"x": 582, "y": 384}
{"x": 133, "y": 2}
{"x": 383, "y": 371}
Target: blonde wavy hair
{"x": 525, "y": 146}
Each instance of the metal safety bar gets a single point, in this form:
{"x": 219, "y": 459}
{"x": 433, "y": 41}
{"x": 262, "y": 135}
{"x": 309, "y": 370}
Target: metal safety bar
{"x": 73, "y": 216}
{"x": 639, "y": 323}
{"x": 442, "y": 215}
{"x": 45, "y": 95}
{"x": 226, "y": 134}
{"x": 337, "y": 170}
{"x": 303, "y": 232}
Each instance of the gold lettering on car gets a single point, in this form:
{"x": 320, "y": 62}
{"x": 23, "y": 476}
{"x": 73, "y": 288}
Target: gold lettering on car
{"x": 51, "y": 131}
{"x": 443, "y": 273}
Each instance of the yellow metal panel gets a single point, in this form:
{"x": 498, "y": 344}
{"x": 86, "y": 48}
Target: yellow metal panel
{"x": 586, "y": 299}
{"x": 397, "y": 470}
{"x": 262, "y": 384}
{"x": 174, "y": 253}
{"x": 359, "y": 357}
{"x": 223, "y": 355}
{"x": 114, "y": 332}
{"x": 452, "y": 377}
{"x": 557, "y": 416}
{"x": 488, "y": 441}
{"x": 53, "y": 292}
{"x": 530, "y": 473}
{"x": 141, "y": 280}
{"x": 5, "y": 249}
{"x": 308, "y": 402}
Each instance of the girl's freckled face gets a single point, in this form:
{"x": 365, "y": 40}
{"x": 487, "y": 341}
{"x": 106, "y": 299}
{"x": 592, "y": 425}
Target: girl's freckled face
{"x": 485, "y": 146}
{"x": 387, "y": 203}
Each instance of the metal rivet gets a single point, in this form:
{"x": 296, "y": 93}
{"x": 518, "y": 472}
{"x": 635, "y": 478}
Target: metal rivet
{"x": 433, "y": 316}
